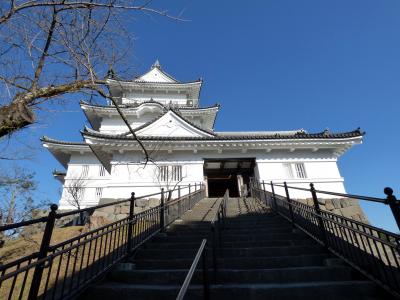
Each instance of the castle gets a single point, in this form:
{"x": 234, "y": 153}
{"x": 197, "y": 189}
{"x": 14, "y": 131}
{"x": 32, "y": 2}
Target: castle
{"x": 183, "y": 147}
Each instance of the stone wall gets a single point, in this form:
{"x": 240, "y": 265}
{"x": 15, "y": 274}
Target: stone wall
{"x": 346, "y": 207}
{"x": 120, "y": 211}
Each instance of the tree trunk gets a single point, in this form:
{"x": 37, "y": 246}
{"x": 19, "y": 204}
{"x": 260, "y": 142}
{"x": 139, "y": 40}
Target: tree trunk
{"x": 15, "y": 116}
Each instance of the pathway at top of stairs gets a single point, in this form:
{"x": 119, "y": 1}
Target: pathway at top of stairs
{"x": 262, "y": 257}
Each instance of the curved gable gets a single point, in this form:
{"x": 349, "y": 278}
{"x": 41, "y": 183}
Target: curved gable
{"x": 172, "y": 125}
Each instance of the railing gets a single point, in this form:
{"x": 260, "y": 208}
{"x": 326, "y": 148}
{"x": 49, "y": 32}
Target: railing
{"x": 202, "y": 252}
{"x": 372, "y": 251}
{"x": 217, "y": 224}
{"x": 63, "y": 270}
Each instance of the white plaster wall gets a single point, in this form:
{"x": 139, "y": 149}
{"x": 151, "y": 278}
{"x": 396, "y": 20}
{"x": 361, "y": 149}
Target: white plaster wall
{"x": 321, "y": 169}
{"x": 175, "y": 98}
{"x": 129, "y": 175}
{"x": 116, "y": 125}
{"x": 92, "y": 181}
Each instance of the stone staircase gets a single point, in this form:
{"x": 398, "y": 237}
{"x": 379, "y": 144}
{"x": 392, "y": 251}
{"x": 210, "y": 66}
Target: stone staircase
{"x": 262, "y": 257}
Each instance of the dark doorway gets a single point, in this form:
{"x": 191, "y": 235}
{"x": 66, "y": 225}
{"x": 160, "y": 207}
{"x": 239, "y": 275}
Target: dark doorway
{"x": 230, "y": 174}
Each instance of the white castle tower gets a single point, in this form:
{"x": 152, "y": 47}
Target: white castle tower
{"x": 184, "y": 148}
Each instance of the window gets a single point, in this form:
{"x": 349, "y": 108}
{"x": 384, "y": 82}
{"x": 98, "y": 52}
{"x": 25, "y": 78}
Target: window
{"x": 102, "y": 171}
{"x": 296, "y": 170}
{"x": 170, "y": 173}
{"x": 98, "y": 193}
{"x": 85, "y": 171}
{"x": 288, "y": 170}
{"x": 300, "y": 170}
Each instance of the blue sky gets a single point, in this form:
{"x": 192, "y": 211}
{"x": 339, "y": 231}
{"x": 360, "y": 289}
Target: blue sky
{"x": 277, "y": 65}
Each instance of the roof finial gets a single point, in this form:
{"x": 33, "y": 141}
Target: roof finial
{"x": 110, "y": 73}
{"x": 156, "y": 65}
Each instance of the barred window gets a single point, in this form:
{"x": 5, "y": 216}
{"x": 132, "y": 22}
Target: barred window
{"x": 300, "y": 170}
{"x": 170, "y": 173}
{"x": 288, "y": 170}
{"x": 102, "y": 171}
{"x": 85, "y": 171}
{"x": 98, "y": 193}
{"x": 296, "y": 170}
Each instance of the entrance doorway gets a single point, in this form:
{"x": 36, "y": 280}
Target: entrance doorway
{"x": 230, "y": 173}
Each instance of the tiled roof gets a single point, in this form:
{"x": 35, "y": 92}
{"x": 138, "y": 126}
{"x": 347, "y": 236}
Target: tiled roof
{"x": 157, "y": 118}
{"x": 149, "y": 102}
{"x": 156, "y": 82}
{"x": 46, "y": 139}
{"x": 221, "y": 137}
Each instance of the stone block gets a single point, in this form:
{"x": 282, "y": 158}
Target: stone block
{"x": 350, "y": 211}
{"x": 141, "y": 203}
{"x": 124, "y": 209}
{"x": 97, "y": 221}
{"x": 154, "y": 202}
{"x": 336, "y": 203}
{"x": 100, "y": 214}
{"x": 321, "y": 201}
{"x": 337, "y": 211}
{"x": 120, "y": 217}
{"x": 108, "y": 209}
{"x": 329, "y": 205}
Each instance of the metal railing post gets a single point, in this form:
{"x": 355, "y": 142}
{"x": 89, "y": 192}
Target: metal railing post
{"x": 319, "y": 217}
{"x": 179, "y": 202}
{"x": 265, "y": 194}
{"x": 44, "y": 247}
{"x": 130, "y": 220}
{"x": 190, "y": 197}
{"x": 394, "y": 204}
{"x": 162, "y": 207}
{"x": 168, "y": 206}
{"x": 273, "y": 195}
{"x": 289, "y": 203}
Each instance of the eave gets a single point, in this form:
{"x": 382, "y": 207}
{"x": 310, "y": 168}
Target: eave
{"x": 62, "y": 150}
{"x": 338, "y": 143}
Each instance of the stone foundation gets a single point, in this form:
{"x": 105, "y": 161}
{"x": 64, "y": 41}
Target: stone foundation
{"x": 120, "y": 211}
{"x": 349, "y": 208}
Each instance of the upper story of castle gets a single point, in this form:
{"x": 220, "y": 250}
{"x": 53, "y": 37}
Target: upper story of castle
{"x": 146, "y": 98}
{"x": 156, "y": 85}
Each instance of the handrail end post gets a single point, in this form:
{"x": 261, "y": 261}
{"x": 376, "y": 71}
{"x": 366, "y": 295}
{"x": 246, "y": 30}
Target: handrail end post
{"x": 130, "y": 220}
{"x": 394, "y": 204}
{"x": 162, "y": 207}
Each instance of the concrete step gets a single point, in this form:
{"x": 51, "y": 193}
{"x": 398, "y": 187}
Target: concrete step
{"x": 282, "y": 275}
{"x": 328, "y": 290}
{"x": 233, "y": 238}
{"x": 237, "y": 263}
{"x": 229, "y": 226}
{"x": 233, "y": 252}
{"x": 255, "y": 231}
{"x": 239, "y": 244}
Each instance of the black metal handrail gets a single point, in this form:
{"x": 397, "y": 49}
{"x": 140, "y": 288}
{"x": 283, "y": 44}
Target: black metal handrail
{"x": 63, "y": 269}
{"x": 372, "y": 251}
{"x": 217, "y": 224}
{"x": 201, "y": 253}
